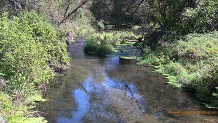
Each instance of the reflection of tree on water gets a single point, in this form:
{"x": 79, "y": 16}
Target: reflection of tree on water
{"x": 115, "y": 92}
{"x": 82, "y": 101}
{"x": 59, "y": 101}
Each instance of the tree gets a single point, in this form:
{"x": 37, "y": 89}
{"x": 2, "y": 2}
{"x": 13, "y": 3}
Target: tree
{"x": 117, "y": 12}
{"x": 68, "y": 14}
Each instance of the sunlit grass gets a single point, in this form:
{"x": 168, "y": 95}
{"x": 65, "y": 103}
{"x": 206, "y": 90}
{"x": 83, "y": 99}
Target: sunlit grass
{"x": 103, "y": 43}
{"x": 190, "y": 62}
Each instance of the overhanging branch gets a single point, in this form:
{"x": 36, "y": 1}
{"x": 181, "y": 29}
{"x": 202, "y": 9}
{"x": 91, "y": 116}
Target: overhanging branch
{"x": 67, "y": 16}
{"x": 137, "y": 7}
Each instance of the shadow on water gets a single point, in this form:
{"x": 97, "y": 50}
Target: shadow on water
{"x": 82, "y": 101}
{"x": 111, "y": 90}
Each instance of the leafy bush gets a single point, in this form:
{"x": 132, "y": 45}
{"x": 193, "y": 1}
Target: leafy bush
{"x": 201, "y": 19}
{"x": 30, "y": 49}
{"x": 21, "y": 55}
{"x": 28, "y": 45}
{"x": 51, "y": 38}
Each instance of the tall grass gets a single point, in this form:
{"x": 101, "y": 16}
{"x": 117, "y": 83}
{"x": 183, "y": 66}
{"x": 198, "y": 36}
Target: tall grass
{"x": 103, "y": 43}
{"x": 99, "y": 44}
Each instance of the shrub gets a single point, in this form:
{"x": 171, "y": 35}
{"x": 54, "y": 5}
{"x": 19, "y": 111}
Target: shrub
{"x": 21, "y": 55}
{"x": 51, "y": 38}
{"x": 30, "y": 49}
{"x": 103, "y": 43}
{"x": 191, "y": 62}
{"x": 28, "y": 45}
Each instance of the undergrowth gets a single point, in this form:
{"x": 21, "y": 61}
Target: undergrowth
{"x": 30, "y": 50}
{"x": 103, "y": 43}
{"x": 19, "y": 112}
{"x": 190, "y": 63}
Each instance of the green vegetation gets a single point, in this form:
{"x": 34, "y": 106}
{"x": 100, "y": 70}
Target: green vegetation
{"x": 18, "y": 112}
{"x": 30, "y": 50}
{"x": 181, "y": 42}
{"x": 99, "y": 44}
{"x": 103, "y": 43}
{"x": 180, "y": 39}
{"x": 185, "y": 50}
{"x": 190, "y": 62}
{"x": 85, "y": 28}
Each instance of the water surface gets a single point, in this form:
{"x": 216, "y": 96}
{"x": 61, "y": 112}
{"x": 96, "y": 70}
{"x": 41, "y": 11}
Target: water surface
{"x": 113, "y": 90}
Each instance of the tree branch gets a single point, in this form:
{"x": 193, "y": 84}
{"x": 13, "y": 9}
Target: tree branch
{"x": 66, "y": 10}
{"x": 137, "y": 7}
{"x": 130, "y": 6}
{"x": 67, "y": 16}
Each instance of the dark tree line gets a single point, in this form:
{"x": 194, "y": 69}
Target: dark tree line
{"x": 162, "y": 20}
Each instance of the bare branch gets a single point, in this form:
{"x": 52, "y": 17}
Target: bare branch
{"x": 137, "y": 7}
{"x": 66, "y": 10}
{"x": 130, "y": 6}
{"x": 67, "y": 16}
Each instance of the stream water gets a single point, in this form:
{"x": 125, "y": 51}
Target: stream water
{"x": 113, "y": 90}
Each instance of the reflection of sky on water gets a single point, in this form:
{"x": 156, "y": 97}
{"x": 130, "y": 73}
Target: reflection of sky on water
{"x": 88, "y": 84}
{"x": 92, "y": 94}
{"x": 92, "y": 85}
{"x": 129, "y": 88}
{"x": 112, "y": 61}
{"x": 83, "y": 106}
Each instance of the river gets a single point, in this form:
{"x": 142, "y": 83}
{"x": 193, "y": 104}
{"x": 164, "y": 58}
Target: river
{"x": 113, "y": 90}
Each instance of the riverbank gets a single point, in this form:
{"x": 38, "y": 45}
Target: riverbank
{"x": 31, "y": 50}
{"x": 190, "y": 63}
{"x": 112, "y": 89}
{"x": 103, "y": 43}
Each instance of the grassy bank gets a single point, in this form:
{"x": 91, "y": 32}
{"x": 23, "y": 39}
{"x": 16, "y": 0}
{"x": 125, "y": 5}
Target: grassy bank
{"x": 103, "y": 43}
{"x": 190, "y": 63}
{"x": 31, "y": 48}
